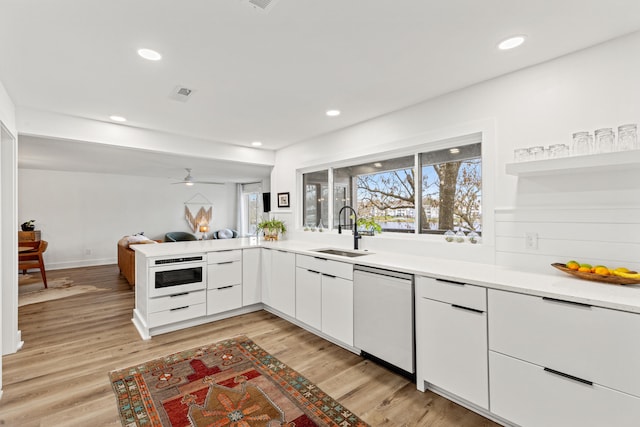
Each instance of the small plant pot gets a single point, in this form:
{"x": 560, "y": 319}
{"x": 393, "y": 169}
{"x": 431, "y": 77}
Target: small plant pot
{"x": 271, "y": 235}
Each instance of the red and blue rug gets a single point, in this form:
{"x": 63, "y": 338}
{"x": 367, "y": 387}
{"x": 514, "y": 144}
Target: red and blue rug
{"x": 232, "y": 383}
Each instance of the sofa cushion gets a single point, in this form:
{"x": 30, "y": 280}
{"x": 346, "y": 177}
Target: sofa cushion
{"x": 225, "y": 233}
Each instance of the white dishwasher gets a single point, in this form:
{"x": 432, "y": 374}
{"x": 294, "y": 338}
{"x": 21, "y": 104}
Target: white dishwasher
{"x": 383, "y": 317}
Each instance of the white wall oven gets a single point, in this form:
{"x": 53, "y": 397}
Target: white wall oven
{"x": 170, "y": 276}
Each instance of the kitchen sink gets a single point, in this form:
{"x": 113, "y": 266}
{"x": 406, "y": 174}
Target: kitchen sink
{"x": 341, "y": 252}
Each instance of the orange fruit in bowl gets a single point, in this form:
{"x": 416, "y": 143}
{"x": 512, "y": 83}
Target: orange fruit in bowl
{"x": 603, "y": 271}
{"x": 572, "y": 265}
{"x": 585, "y": 269}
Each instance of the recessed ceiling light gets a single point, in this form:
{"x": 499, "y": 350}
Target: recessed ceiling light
{"x": 511, "y": 42}
{"x": 454, "y": 150}
{"x": 333, "y": 113}
{"x": 149, "y": 54}
{"x": 118, "y": 118}
{"x": 377, "y": 164}
{"x": 256, "y": 143}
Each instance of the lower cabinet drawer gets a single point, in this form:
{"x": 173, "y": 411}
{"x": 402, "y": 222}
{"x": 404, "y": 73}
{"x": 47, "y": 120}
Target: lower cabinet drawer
{"x": 224, "y": 274}
{"x": 595, "y": 343}
{"x": 528, "y": 395}
{"x": 178, "y": 300}
{"x": 224, "y": 299}
{"x": 177, "y": 314}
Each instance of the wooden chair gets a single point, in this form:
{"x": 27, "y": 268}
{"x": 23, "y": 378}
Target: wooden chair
{"x": 32, "y": 258}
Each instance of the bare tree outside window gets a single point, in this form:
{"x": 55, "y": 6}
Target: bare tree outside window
{"x": 449, "y": 183}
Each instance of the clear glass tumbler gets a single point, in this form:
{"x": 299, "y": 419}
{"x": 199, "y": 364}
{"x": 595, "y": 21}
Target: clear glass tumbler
{"x": 627, "y": 137}
{"x": 581, "y": 144}
{"x": 521, "y": 154}
{"x": 536, "y": 153}
{"x": 605, "y": 140}
{"x": 558, "y": 150}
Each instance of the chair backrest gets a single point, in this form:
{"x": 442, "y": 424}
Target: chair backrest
{"x": 36, "y": 250}
{"x": 179, "y": 236}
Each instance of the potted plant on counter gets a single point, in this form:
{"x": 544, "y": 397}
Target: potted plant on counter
{"x": 368, "y": 226}
{"x": 272, "y": 228}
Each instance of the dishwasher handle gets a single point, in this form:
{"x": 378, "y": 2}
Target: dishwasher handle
{"x": 383, "y": 272}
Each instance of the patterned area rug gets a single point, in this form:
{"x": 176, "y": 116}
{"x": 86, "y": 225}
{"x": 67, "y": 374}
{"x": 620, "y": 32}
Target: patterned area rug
{"x": 232, "y": 383}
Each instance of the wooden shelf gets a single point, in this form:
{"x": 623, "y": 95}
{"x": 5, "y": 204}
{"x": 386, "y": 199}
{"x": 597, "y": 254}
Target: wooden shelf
{"x": 592, "y": 163}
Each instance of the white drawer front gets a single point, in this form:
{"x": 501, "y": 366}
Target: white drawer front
{"x": 597, "y": 344}
{"x": 224, "y": 299}
{"x": 224, "y": 273}
{"x": 177, "y": 300}
{"x": 452, "y": 292}
{"x": 177, "y": 314}
{"x": 224, "y": 256}
{"x": 528, "y": 395}
{"x": 451, "y": 350}
{"x": 325, "y": 266}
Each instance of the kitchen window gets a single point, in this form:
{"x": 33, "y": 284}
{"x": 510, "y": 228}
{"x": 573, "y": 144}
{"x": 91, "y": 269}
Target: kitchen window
{"x": 250, "y": 207}
{"x": 428, "y": 192}
{"x": 316, "y": 199}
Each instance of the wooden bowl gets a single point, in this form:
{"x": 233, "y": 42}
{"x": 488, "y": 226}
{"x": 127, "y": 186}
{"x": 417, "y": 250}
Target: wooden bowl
{"x": 615, "y": 280}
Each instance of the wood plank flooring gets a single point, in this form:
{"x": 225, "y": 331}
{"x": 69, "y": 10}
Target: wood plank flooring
{"x": 60, "y": 377}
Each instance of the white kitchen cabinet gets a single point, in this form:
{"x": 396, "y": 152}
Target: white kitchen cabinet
{"x": 526, "y": 394}
{"x": 309, "y": 297}
{"x": 251, "y": 276}
{"x": 265, "y": 275}
{"x": 282, "y": 288}
{"x": 451, "y": 339}
{"x": 324, "y": 296}
{"x": 337, "y": 308}
{"x": 224, "y": 281}
{"x": 169, "y": 309}
{"x": 557, "y": 362}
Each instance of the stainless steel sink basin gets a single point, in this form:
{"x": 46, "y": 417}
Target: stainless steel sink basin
{"x": 341, "y": 252}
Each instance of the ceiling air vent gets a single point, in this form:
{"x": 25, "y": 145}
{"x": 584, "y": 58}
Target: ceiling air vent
{"x": 181, "y": 93}
{"x": 263, "y": 5}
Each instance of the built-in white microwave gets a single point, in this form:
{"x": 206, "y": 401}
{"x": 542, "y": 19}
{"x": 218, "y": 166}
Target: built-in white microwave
{"x": 170, "y": 276}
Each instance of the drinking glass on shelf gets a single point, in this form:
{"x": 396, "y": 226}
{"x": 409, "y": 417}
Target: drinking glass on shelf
{"x": 581, "y": 144}
{"x": 521, "y": 154}
{"x": 605, "y": 140}
{"x": 558, "y": 150}
{"x": 536, "y": 153}
{"x": 627, "y": 137}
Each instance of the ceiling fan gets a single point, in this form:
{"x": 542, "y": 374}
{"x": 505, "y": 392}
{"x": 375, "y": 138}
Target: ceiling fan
{"x": 189, "y": 181}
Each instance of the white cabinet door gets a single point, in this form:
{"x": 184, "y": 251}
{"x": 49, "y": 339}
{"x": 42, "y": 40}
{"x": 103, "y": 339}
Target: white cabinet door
{"x": 224, "y": 299}
{"x": 265, "y": 275}
{"x": 337, "y": 308}
{"x": 527, "y": 395}
{"x": 283, "y": 282}
{"x": 251, "y": 276}
{"x": 451, "y": 349}
{"x": 308, "y": 297}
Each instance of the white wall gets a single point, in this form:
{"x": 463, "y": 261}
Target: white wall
{"x": 541, "y": 105}
{"x": 80, "y": 212}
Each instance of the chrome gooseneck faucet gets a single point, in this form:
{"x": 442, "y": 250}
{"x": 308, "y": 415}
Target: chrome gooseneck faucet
{"x": 356, "y": 236}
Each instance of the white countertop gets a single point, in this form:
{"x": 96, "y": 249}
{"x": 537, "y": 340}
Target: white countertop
{"x": 553, "y": 283}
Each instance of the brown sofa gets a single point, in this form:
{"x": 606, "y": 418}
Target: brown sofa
{"x": 127, "y": 257}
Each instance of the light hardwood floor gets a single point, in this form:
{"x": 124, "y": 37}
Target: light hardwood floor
{"x": 60, "y": 377}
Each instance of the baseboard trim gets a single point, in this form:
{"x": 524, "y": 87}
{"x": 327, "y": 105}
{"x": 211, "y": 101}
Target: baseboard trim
{"x": 80, "y": 263}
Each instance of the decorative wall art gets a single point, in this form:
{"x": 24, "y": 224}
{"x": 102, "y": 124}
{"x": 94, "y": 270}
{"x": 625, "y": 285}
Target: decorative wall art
{"x": 203, "y": 209}
{"x": 283, "y": 200}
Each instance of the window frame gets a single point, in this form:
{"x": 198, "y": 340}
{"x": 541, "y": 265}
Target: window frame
{"x": 482, "y": 131}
